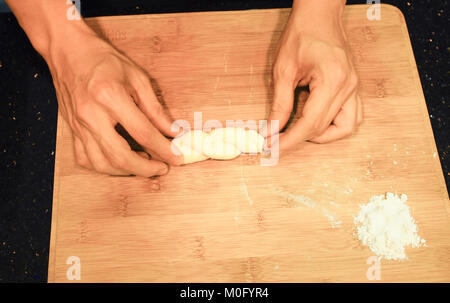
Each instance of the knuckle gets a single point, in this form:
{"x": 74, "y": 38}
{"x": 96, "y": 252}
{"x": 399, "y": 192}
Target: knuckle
{"x": 278, "y": 107}
{"x": 315, "y": 125}
{"x": 282, "y": 70}
{"x": 101, "y": 167}
{"x": 117, "y": 156}
{"x": 339, "y": 75}
{"x": 81, "y": 161}
{"x": 83, "y": 111}
{"x": 118, "y": 160}
{"x": 103, "y": 90}
{"x": 318, "y": 125}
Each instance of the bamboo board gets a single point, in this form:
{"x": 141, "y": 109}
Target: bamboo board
{"x": 238, "y": 221}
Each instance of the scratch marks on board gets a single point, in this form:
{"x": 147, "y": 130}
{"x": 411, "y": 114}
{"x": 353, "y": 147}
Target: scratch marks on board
{"x": 199, "y": 248}
{"x": 243, "y": 186}
{"x": 251, "y": 269}
{"x": 123, "y": 206}
{"x": 83, "y": 231}
{"x": 260, "y": 220}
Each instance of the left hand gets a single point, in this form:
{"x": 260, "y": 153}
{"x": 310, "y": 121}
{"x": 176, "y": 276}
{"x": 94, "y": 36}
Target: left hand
{"x": 313, "y": 51}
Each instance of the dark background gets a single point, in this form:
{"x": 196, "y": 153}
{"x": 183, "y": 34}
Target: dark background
{"x": 28, "y": 115}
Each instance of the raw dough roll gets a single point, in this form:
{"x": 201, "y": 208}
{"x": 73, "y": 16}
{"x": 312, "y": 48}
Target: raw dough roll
{"x": 246, "y": 140}
{"x": 220, "y": 144}
{"x": 217, "y": 148}
{"x": 190, "y": 144}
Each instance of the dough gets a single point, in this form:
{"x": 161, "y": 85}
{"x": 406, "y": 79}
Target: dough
{"x": 246, "y": 140}
{"x": 190, "y": 144}
{"x": 217, "y": 148}
{"x": 220, "y": 144}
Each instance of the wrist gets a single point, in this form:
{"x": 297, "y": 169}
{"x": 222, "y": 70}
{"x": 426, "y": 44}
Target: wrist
{"x": 318, "y": 12}
{"x": 313, "y": 12}
{"x": 67, "y": 41}
{"x": 322, "y": 19}
{"x": 329, "y": 5}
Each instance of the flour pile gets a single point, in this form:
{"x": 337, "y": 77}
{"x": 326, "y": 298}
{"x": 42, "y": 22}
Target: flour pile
{"x": 386, "y": 226}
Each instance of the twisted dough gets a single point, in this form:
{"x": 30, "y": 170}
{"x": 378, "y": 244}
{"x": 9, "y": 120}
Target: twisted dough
{"x": 220, "y": 144}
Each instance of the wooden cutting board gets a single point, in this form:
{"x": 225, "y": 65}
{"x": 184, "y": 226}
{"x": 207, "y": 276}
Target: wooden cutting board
{"x": 238, "y": 221}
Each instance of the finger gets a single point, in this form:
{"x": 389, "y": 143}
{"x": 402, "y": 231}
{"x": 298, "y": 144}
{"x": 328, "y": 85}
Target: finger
{"x": 344, "y": 123}
{"x": 283, "y": 103}
{"x": 143, "y": 155}
{"x": 98, "y": 159}
{"x": 119, "y": 154}
{"x": 150, "y": 106}
{"x": 313, "y": 119}
{"x": 139, "y": 127}
{"x": 341, "y": 97}
{"x": 80, "y": 154}
{"x": 283, "y": 98}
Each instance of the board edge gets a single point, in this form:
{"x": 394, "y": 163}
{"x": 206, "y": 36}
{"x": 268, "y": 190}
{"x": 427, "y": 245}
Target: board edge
{"x": 56, "y": 186}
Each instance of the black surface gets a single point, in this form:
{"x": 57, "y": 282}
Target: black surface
{"x": 28, "y": 112}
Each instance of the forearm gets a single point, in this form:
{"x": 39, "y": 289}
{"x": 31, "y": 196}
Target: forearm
{"x": 46, "y": 24}
{"x": 320, "y": 10}
{"x": 321, "y": 17}
{"x": 319, "y": 5}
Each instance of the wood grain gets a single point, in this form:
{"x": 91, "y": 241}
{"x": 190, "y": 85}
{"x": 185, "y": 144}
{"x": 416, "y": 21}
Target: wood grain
{"x": 238, "y": 221}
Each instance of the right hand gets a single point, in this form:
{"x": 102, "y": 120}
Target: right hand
{"x": 98, "y": 87}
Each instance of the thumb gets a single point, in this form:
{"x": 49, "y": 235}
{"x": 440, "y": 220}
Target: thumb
{"x": 282, "y": 105}
{"x": 149, "y": 104}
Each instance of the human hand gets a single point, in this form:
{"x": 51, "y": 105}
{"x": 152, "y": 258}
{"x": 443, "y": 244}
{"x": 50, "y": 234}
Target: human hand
{"x": 98, "y": 87}
{"x": 313, "y": 51}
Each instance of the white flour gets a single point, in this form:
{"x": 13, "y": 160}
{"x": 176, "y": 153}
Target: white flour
{"x": 386, "y": 226}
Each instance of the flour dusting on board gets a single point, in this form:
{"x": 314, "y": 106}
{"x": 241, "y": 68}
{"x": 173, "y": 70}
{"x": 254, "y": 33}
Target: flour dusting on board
{"x": 386, "y": 226}
{"x": 301, "y": 200}
{"x": 331, "y": 218}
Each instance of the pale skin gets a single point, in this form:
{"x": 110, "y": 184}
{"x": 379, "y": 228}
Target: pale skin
{"x": 313, "y": 51}
{"x": 98, "y": 87}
